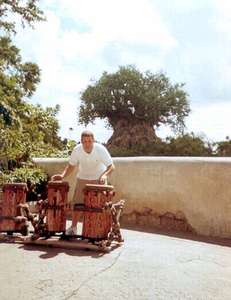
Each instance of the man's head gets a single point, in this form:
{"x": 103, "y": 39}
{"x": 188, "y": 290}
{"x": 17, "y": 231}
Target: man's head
{"x": 87, "y": 140}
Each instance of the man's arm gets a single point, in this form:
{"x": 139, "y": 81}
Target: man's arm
{"x": 103, "y": 176}
{"x": 67, "y": 171}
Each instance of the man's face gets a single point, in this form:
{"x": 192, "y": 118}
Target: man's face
{"x": 87, "y": 142}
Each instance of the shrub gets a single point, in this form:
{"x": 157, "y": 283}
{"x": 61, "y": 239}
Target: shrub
{"x": 35, "y": 178}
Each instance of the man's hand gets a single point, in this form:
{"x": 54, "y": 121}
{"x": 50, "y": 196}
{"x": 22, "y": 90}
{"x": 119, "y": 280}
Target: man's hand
{"x": 67, "y": 171}
{"x": 57, "y": 177}
{"x": 103, "y": 179}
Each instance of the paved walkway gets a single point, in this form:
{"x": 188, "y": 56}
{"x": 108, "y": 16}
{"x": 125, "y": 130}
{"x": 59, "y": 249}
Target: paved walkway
{"x": 148, "y": 266}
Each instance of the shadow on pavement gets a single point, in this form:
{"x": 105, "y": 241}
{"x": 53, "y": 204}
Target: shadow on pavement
{"x": 52, "y": 252}
{"x": 183, "y": 235}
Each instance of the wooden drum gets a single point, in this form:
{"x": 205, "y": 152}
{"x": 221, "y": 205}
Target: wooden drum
{"x": 57, "y": 205}
{"x": 97, "y": 221}
{"x": 11, "y": 218}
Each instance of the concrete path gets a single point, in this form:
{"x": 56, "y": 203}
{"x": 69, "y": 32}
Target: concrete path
{"x": 148, "y": 266}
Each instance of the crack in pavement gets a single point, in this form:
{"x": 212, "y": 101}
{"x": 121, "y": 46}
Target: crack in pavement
{"x": 74, "y": 293}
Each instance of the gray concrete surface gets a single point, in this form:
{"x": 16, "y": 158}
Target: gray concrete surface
{"x": 148, "y": 266}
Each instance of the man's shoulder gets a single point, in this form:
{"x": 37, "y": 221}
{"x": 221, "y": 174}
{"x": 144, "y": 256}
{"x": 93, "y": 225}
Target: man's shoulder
{"x": 99, "y": 146}
{"x": 78, "y": 148}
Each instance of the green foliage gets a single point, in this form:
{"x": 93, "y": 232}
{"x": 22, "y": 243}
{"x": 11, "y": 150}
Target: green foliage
{"x": 28, "y": 11}
{"x": 26, "y": 174}
{"x": 183, "y": 145}
{"x": 35, "y": 178}
{"x": 188, "y": 145}
{"x": 129, "y": 94}
{"x": 26, "y": 130}
{"x": 223, "y": 148}
{"x": 64, "y": 151}
{"x": 37, "y": 135}
{"x": 157, "y": 148}
{"x": 17, "y": 81}
{"x": 68, "y": 147}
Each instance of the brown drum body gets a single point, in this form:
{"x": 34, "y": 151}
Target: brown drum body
{"x": 57, "y": 204}
{"x": 11, "y": 219}
{"x": 97, "y": 221}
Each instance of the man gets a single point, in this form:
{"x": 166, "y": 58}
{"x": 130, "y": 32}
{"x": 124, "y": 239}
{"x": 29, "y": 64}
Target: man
{"x": 94, "y": 162}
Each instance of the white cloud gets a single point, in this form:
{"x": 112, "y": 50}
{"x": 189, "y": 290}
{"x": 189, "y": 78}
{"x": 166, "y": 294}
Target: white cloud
{"x": 81, "y": 39}
{"x": 223, "y": 7}
{"x": 222, "y": 21}
{"x": 68, "y": 55}
{"x": 206, "y": 121}
{"x": 213, "y": 120}
{"x": 127, "y": 21}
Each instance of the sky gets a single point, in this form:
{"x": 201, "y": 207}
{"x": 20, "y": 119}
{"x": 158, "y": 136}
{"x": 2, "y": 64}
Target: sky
{"x": 188, "y": 40}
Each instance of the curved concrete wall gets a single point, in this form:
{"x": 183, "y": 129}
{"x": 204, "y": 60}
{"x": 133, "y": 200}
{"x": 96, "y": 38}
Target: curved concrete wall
{"x": 183, "y": 193}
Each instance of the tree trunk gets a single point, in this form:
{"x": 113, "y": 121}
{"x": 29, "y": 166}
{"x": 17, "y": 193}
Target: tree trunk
{"x": 126, "y": 134}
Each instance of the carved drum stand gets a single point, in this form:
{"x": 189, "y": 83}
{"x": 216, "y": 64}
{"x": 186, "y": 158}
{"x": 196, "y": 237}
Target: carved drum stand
{"x": 12, "y": 218}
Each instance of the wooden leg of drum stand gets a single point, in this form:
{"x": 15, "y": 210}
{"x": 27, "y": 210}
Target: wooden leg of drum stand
{"x": 115, "y": 234}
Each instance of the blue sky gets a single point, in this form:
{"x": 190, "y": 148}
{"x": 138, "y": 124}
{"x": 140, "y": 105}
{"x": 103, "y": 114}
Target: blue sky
{"x": 189, "y": 40}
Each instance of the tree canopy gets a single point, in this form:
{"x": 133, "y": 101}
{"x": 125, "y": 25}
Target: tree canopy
{"x": 28, "y": 11}
{"x": 134, "y": 103}
{"x": 223, "y": 148}
{"x": 18, "y": 80}
{"x": 37, "y": 135}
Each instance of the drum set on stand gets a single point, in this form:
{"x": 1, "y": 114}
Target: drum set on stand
{"x": 100, "y": 227}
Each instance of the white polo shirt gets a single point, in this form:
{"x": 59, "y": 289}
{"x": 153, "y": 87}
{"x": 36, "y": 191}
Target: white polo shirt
{"x": 91, "y": 165}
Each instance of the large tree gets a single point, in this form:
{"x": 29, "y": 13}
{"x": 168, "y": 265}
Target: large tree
{"x": 134, "y": 104}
